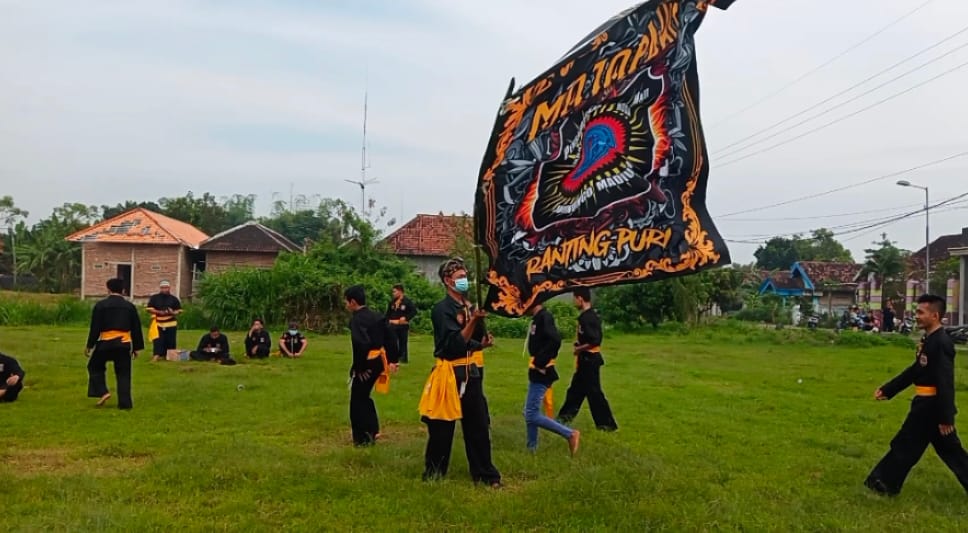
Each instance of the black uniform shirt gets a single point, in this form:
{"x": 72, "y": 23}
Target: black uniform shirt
{"x": 367, "y": 333}
{"x": 114, "y": 313}
{"x": 402, "y": 308}
{"x": 160, "y": 302}
{"x": 258, "y": 338}
{"x": 934, "y": 366}
{"x": 222, "y": 342}
{"x": 449, "y": 317}
{"x": 544, "y": 341}
{"x": 9, "y": 367}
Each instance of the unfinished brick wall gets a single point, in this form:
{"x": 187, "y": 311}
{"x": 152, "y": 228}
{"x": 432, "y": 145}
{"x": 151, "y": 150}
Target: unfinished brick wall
{"x": 216, "y": 262}
{"x": 151, "y": 263}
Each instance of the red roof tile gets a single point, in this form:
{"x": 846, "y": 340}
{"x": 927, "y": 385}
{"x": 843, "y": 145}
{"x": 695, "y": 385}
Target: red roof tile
{"x": 429, "y": 235}
{"x": 831, "y": 273}
{"x": 141, "y": 226}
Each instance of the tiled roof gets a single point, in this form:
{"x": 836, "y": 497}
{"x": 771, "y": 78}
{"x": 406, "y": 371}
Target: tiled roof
{"x": 830, "y": 273}
{"x": 429, "y": 235}
{"x": 250, "y": 237}
{"x": 141, "y": 226}
{"x": 940, "y": 249}
{"x": 783, "y": 280}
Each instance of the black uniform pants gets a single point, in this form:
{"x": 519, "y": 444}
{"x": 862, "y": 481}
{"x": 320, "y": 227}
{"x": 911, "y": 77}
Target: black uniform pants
{"x": 12, "y": 393}
{"x": 920, "y": 428}
{"x": 475, "y": 425}
{"x": 97, "y": 373}
{"x": 587, "y": 383}
{"x": 401, "y": 335}
{"x": 363, "y": 418}
{"x": 167, "y": 340}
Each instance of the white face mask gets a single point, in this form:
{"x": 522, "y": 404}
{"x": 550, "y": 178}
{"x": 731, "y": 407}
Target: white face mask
{"x": 294, "y": 332}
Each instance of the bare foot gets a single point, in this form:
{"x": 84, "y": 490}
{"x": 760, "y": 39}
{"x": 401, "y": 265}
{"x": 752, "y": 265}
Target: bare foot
{"x": 573, "y": 442}
{"x": 104, "y": 399}
{"x": 156, "y": 358}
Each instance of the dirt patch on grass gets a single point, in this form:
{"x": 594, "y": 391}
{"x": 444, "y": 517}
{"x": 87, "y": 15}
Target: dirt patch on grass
{"x": 67, "y": 462}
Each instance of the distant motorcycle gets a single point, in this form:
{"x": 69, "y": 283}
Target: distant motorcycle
{"x": 906, "y": 327}
{"x": 813, "y": 322}
{"x": 959, "y": 334}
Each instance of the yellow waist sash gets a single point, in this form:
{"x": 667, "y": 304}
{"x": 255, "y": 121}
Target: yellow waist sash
{"x": 531, "y": 363}
{"x": 112, "y": 334}
{"x": 475, "y": 358}
{"x": 440, "y": 399}
{"x": 590, "y": 349}
{"x": 383, "y": 382}
{"x": 926, "y": 391}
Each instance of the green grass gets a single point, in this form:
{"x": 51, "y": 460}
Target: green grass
{"x": 716, "y": 434}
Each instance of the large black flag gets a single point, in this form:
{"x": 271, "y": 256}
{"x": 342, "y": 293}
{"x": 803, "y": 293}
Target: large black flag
{"x": 596, "y": 171}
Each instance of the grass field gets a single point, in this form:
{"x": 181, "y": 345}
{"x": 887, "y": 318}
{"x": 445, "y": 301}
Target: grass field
{"x": 714, "y": 436}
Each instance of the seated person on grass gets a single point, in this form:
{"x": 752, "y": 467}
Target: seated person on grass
{"x": 257, "y": 341}
{"x": 292, "y": 343}
{"x": 213, "y": 346}
{"x": 11, "y": 379}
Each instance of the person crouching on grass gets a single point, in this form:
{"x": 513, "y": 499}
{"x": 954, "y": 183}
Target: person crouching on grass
{"x": 932, "y": 415}
{"x": 11, "y": 379}
{"x": 368, "y": 333}
{"x": 544, "y": 342}
{"x": 292, "y": 343}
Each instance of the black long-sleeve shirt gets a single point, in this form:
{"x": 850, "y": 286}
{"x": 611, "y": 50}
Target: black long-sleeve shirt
{"x": 367, "y": 333}
{"x": 114, "y": 313}
{"x": 9, "y": 367}
{"x": 402, "y": 308}
{"x": 934, "y": 366}
{"x": 544, "y": 342}
{"x": 589, "y": 328}
{"x": 222, "y": 343}
{"x": 449, "y": 317}
{"x": 260, "y": 338}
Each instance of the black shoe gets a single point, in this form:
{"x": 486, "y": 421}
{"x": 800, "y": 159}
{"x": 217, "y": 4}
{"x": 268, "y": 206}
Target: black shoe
{"x": 608, "y": 429}
{"x": 878, "y": 486}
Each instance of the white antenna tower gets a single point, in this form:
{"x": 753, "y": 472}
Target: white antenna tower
{"x": 364, "y": 181}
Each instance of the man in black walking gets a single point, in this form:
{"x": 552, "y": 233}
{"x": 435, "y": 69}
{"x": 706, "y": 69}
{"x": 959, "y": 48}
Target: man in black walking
{"x": 399, "y": 314}
{"x": 931, "y": 419}
{"x": 115, "y": 336}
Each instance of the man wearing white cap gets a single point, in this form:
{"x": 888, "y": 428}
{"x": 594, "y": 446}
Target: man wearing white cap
{"x": 164, "y": 308}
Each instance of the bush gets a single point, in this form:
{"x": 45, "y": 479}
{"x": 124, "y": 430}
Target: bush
{"x": 63, "y": 311}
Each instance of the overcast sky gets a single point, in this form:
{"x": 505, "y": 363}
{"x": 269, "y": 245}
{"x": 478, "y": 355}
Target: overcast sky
{"x": 103, "y": 101}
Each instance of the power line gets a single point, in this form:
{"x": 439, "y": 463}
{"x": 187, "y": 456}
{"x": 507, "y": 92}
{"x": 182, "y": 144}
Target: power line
{"x": 814, "y": 70}
{"x": 877, "y": 225}
{"x": 847, "y": 187}
{"x": 843, "y": 118}
{"x": 825, "y": 216}
{"x": 847, "y": 90}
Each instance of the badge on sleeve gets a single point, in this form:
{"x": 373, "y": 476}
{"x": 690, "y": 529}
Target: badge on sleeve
{"x": 922, "y": 357}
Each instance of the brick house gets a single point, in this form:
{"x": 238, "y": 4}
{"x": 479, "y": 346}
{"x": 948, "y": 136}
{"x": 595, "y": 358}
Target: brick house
{"x": 940, "y": 252}
{"x": 830, "y": 285}
{"x": 428, "y": 240}
{"x": 141, "y": 247}
{"x": 250, "y": 245}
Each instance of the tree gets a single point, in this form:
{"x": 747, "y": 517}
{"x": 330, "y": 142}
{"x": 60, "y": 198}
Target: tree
{"x": 823, "y": 246}
{"x": 108, "y": 212}
{"x": 886, "y": 261}
{"x": 43, "y": 252}
{"x": 10, "y": 214}
{"x": 779, "y": 253}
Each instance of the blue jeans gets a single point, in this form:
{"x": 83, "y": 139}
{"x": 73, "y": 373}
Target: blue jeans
{"x": 534, "y": 417}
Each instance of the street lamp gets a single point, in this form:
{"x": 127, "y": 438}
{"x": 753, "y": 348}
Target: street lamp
{"x": 927, "y": 233}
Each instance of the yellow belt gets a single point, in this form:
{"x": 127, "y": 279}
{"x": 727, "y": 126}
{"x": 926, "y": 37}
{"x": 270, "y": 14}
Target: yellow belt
{"x": 440, "y": 399}
{"x": 167, "y": 324}
{"x": 112, "y": 334}
{"x": 383, "y": 382}
{"x": 926, "y": 391}
{"x": 590, "y": 349}
{"x": 475, "y": 358}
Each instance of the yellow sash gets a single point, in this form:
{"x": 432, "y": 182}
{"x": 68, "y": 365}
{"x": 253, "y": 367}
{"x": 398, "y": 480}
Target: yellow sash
{"x": 153, "y": 330}
{"x": 110, "y": 335}
{"x": 383, "y": 382}
{"x": 440, "y": 399}
{"x": 590, "y": 349}
{"x": 549, "y": 397}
